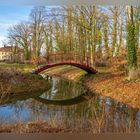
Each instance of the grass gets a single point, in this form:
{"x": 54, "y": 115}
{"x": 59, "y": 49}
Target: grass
{"x": 20, "y": 67}
{"x": 32, "y": 127}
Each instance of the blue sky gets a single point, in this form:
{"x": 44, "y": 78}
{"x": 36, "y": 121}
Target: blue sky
{"x": 10, "y": 15}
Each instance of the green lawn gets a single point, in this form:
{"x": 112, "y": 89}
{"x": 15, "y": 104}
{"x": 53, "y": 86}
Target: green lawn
{"x": 23, "y": 67}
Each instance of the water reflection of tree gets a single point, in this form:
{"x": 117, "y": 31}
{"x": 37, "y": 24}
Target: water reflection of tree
{"x": 62, "y": 89}
{"x": 99, "y": 114}
{"x": 102, "y": 114}
{"x": 111, "y": 116}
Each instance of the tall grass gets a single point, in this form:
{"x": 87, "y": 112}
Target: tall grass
{"x": 4, "y": 92}
{"x": 96, "y": 126}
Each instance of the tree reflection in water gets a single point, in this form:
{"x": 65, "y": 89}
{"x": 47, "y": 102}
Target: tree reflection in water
{"x": 74, "y": 105}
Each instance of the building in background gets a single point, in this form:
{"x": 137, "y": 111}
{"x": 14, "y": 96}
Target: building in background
{"x": 6, "y": 54}
{"x": 11, "y": 54}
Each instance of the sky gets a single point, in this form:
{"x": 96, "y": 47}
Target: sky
{"x": 11, "y": 15}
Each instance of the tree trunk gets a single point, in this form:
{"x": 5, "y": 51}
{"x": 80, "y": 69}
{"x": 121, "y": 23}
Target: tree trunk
{"x": 131, "y": 45}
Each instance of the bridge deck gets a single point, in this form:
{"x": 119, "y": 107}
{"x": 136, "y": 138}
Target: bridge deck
{"x": 72, "y": 59}
{"x": 81, "y": 66}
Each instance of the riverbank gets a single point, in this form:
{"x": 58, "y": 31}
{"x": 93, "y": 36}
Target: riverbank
{"x": 105, "y": 83}
{"x": 54, "y": 126}
{"x": 98, "y": 123}
{"x": 16, "y": 79}
{"x": 51, "y": 126}
{"x": 33, "y": 127}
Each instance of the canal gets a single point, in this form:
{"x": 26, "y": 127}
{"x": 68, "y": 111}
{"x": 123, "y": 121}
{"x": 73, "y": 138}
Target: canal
{"x": 73, "y": 105}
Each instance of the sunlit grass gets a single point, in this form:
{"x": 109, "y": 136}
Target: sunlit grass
{"x": 21, "y": 67}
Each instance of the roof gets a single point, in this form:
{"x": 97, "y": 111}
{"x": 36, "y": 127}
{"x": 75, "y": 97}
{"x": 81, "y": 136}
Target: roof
{"x": 6, "y": 49}
{"x": 9, "y": 49}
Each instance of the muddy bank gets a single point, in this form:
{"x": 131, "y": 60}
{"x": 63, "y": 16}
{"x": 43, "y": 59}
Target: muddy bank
{"x": 105, "y": 82}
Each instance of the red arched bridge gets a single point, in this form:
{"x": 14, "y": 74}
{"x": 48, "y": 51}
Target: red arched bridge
{"x": 73, "y": 59}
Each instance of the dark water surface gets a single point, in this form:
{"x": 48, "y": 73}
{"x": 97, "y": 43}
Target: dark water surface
{"x": 73, "y": 104}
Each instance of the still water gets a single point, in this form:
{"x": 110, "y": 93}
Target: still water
{"x": 73, "y": 104}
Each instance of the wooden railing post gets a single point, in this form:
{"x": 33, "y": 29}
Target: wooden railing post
{"x": 87, "y": 60}
{"x": 62, "y": 57}
{"x": 54, "y": 58}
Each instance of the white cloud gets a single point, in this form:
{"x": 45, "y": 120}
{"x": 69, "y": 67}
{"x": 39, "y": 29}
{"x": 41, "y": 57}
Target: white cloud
{"x": 2, "y": 38}
{"x": 5, "y": 25}
{"x": 9, "y": 16}
{"x": 3, "y": 32}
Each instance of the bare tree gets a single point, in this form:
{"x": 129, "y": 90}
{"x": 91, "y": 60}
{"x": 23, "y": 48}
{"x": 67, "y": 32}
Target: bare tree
{"x": 21, "y": 36}
{"x": 38, "y": 17}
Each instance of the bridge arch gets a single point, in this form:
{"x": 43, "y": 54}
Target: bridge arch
{"x": 78, "y": 65}
{"x": 71, "y": 58}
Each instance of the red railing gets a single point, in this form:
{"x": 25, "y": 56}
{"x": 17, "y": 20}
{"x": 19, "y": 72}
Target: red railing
{"x": 68, "y": 57}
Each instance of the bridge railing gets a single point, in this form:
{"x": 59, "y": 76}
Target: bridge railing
{"x": 68, "y": 57}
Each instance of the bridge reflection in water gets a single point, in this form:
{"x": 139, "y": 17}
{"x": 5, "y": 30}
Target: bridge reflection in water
{"x": 73, "y": 104}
